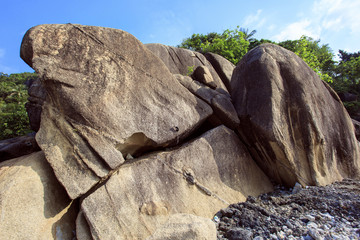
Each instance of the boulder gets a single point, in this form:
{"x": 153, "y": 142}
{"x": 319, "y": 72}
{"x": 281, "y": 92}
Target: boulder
{"x": 82, "y": 228}
{"x": 222, "y": 66}
{"x": 18, "y": 146}
{"x": 224, "y": 111}
{"x": 348, "y": 97}
{"x": 107, "y": 96}
{"x": 33, "y": 203}
{"x": 37, "y": 96}
{"x": 203, "y": 75}
{"x": 357, "y": 128}
{"x": 186, "y": 227}
{"x": 293, "y": 122}
{"x": 180, "y": 61}
{"x": 198, "y": 178}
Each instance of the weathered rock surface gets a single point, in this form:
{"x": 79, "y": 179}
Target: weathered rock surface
{"x": 37, "y": 96}
{"x": 357, "y": 128}
{"x": 33, "y": 204}
{"x": 222, "y": 66}
{"x": 203, "y": 75}
{"x": 108, "y": 96}
{"x": 18, "y": 146}
{"x": 82, "y": 228}
{"x": 224, "y": 110}
{"x": 197, "y": 178}
{"x": 178, "y": 61}
{"x": 186, "y": 227}
{"x": 294, "y": 123}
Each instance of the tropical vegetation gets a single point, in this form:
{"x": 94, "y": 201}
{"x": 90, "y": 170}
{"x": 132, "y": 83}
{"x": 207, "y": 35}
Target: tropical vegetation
{"x": 13, "y": 96}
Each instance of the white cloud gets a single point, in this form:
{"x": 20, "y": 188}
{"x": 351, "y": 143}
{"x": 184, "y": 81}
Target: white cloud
{"x": 324, "y": 16}
{"x": 338, "y": 14}
{"x": 254, "y": 19}
{"x": 296, "y": 30}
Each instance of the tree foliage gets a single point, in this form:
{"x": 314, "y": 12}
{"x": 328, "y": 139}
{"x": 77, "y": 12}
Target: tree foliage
{"x": 343, "y": 76}
{"x": 13, "y": 96}
{"x": 318, "y": 57}
{"x": 231, "y": 44}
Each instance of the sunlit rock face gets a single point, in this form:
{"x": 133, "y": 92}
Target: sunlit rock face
{"x": 107, "y": 96}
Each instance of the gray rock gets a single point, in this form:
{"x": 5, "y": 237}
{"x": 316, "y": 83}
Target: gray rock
{"x": 37, "y": 96}
{"x": 348, "y": 97}
{"x": 82, "y": 228}
{"x": 224, "y": 111}
{"x": 263, "y": 215}
{"x": 357, "y": 128}
{"x": 223, "y": 67}
{"x": 239, "y": 233}
{"x": 287, "y": 119}
{"x": 18, "y": 146}
{"x": 203, "y": 75}
{"x": 179, "y": 60}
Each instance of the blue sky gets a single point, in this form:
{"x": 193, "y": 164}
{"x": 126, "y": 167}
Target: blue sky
{"x": 334, "y": 22}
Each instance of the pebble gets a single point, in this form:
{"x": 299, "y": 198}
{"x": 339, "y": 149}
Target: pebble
{"x": 310, "y": 218}
{"x": 319, "y": 213}
{"x": 312, "y": 225}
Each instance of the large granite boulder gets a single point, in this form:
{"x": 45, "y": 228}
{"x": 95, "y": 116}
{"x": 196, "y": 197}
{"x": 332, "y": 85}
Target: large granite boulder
{"x": 180, "y": 61}
{"x": 222, "y": 66}
{"x": 294, "y": 123}
{"x": 198, "y": 178}
{"x": 33, "y": 203}
{"x": 107, "y": 96}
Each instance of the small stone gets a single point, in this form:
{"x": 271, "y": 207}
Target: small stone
{"x": 258, "y": 238}
{"x": 315, "y": 234}
{"x": 312, "y": 225}
{"x": 251, "y": 199}
{"x": 281, "y": 235}
{"x": 310, "y": 218}
{"x": 273, "y": 236}
{"x": 129, "y": 157}
{"x": 326, "y": 216}
{"x": 288, "y": 223}
{"x": 297, "y": 188}
{"x": 239, "y": 233}
{"x": 307, "y": 237}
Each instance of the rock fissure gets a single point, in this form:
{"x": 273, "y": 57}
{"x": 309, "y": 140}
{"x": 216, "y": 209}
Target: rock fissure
{"x": 189, "y": 177}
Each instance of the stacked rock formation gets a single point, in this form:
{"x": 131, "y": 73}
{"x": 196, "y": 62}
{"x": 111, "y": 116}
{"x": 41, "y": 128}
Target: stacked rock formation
{"x": 145, "y": 151}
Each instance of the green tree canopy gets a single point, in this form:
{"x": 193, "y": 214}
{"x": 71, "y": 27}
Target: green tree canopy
{"x": 231, "y": 44}
{"x": 13, "y": 96}
{"x": 318, "y": 57}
